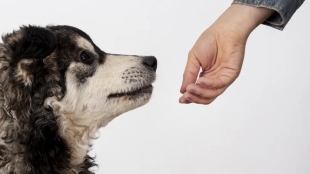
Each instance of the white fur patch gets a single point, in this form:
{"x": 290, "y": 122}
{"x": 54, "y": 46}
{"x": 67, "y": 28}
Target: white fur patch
{"x": 85, "y": 108}
{"x": 85, "y": 44}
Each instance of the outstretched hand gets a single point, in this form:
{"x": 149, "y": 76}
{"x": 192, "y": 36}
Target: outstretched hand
{"x": 217, "y": 56}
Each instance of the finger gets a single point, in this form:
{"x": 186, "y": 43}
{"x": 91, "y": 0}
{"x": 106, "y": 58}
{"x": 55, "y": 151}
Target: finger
{"x": 183, "y": 100}
{"x": 204, "y": 92}
{"x": 191, "y": 71}
{"x": 187, "y": 96}
{"x": 216, "y": 83}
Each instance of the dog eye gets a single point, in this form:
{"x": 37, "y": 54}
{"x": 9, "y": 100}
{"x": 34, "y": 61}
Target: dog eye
{"x": 86, "y": 58}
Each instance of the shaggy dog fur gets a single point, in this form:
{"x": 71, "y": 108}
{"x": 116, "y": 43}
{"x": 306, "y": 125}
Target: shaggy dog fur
{"x": 57, "y": 88}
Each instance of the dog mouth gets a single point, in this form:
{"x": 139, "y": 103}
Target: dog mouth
{"x": 143, "y": 90}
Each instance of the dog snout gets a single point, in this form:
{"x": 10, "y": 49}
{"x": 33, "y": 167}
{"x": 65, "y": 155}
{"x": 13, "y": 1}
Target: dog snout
{"x": 150, "y": 62}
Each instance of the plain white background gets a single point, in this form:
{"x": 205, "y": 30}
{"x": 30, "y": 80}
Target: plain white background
{"x": 261, "y": 124}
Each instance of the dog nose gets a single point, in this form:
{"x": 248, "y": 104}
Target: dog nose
{"x": 150, "y": 61}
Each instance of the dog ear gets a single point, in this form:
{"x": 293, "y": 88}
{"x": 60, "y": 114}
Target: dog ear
{"x": 23, "y": 48}
{"x": 30, "y": 42}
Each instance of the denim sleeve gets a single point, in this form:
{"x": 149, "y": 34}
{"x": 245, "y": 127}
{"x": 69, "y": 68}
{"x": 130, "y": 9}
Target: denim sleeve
{"x": 285, "y": 9}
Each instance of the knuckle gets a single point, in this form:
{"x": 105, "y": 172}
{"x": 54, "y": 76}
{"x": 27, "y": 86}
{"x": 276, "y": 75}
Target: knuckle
{"x": 190, "y": 53}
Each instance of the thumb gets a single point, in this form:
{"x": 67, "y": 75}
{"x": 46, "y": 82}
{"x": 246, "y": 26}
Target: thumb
{"x": 191, "y": 71}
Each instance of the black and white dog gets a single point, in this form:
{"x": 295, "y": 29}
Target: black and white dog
{"x": 57, "y": 89}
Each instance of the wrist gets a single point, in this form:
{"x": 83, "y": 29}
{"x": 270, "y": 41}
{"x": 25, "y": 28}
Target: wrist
{"x": 243, "y": 18}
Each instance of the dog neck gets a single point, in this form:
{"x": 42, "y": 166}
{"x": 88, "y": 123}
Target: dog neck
{"x": 77, "y": 127}
{"x": 78, "y": 133}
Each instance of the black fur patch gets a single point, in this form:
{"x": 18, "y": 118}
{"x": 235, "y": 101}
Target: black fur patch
{"x": 37, "y": 137}
{"x": 81, "y": 33}
{"x": 35, "y": 43}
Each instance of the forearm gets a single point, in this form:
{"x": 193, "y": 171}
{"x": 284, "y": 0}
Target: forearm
{"x": 284, "y": 10}
{"x": 242, "y": 19}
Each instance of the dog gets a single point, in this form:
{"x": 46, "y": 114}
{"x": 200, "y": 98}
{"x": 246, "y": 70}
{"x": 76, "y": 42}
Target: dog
{"x": 57, "y": 89}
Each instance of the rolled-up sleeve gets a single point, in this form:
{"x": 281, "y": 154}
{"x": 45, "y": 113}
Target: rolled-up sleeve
{"x": 284, "y": 10}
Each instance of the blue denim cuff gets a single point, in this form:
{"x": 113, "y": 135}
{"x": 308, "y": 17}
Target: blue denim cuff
{"x": 285, "y": 9}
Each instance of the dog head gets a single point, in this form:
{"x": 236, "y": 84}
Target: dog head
{"x": 60, "y": 69}
{"x": 58, "y": 73}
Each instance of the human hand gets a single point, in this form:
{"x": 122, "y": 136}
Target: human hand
{"x": 219, "y": 53}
